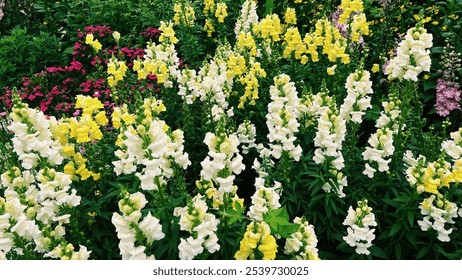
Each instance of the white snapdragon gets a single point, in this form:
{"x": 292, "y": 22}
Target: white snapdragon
{"x": 358, "y": 86}
{"x": 381, "y": 148}
{"x": 151, "y": 145}
{"x": 413, "y": 55}
{"x": 302, "y": 244}
{"x": 32, "y": 138}
{"x": 189, "y": 85}
{"x": 360, "y": 232}
{"x": 438, "y": 212}
{"x": 453, "y": 147}
{"x": 129, "y": 224}
{"x": 213, "y": 86}
{"x": 223, "y": 160}
{"x": 282, "y": 118}
{"x": 320, "y": 110}
{"x": 33, "y": 206}
{"x": 264, "y": 199}
{"x": 246, "y": 133}
{"x": 247, "y": 18}
{"x": 201, "y": 225}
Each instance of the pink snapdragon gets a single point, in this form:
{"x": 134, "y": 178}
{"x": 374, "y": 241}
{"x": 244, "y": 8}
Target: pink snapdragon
{"x": 447, "y": 97}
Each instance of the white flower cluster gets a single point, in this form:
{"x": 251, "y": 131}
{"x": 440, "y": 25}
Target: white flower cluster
{"x": 202, "y": 227}
{"x": 453, "y": 147}
{"x": 264, "y": 199}
{"x": 442, "y": 212}
{"x": 30, "y": 213}
{"x": 282, "y": 118}
{"x": 302, "y": 244}
{"x": 33, "y": 139}
{"x": 210, "y": 84}
{"x": 359, "y": 222}
{"x": 247, "y": 18}
{"x": 246, "y": 133}
{"x": 129, "y": 227}
{"x": 381, "y": 148}
{"x": 413, "y": 55}
{"x": 223, "y": 161}
{"x": 320, "y": 110}
{"x": 189, "y": 85}
{"x": 358, "y": 86}
{"x": 149, "y": 144}
{"x": 215, "y": 85}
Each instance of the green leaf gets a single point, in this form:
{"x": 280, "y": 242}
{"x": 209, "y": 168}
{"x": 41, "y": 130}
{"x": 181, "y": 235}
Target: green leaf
{"x": 410, "y": 217}
{"x": 437, "y": 50}
{"x": 269, "y": 5}
{"x": 377, "y": 252}
{"x": 398, "y": 250}
{"x": 422, "y": 252}
{"x": 278, "y": 220}
{"x": 395, "y": 229}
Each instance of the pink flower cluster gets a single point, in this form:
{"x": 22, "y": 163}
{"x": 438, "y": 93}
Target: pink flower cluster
{"x": 447, "y": 97}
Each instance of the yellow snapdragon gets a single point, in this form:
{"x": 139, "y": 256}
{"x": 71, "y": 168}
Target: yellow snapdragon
{"x": 184, "y": 14}
{"x": 348, "y": 7}
{"x": 116, "y": 70}
{"x": 209, "y": 7}
{"x": 294, "y": 45}
{"x": 208, "y": 27}
{"x": 257, "y": 237}
{"x": 168, "y": 34}
{"x": 246, "y": 42}
{"x": 290, "y": 17}
{"x": 269, "y": 28}
{"x": 359, "y": 27}
{"x": 95, "y": 44}
{"x": 221, "y": 12}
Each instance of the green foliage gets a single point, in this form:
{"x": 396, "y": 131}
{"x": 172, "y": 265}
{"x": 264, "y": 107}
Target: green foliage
{"x": 23, "y": 54}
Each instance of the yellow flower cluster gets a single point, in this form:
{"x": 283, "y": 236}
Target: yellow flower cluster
{"x": 257, "y": 236}
{"x": 208, "y": 27}
{"x": 433, "y": 176}
{"x": 95, "y": 44}
{"x": 116, "y": 70}
{"x": 348, "y": 7}
{"x": 87, "y": 128}
{"x": 243, "y": 67}
{"x": 359, "y": 27}
{"x": 326, "y": 35}
{"x": 250, "y": 80}
{"x": 77, "y": 166}
{"x": 290, "y": 17}
{"x": 221, "y": 12}
{"x": 334, "y": 44}
{"x": 295, "y": 46}
{"x": 184, "y": 14}
{"x": 209, "y": 7}
{"x": 168, "y": 34}
{"x": 154, "y": 67}
{"x": 84, "y": 129}
{"x": 246, "y": 43}
{"x": 269, "y": 28}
